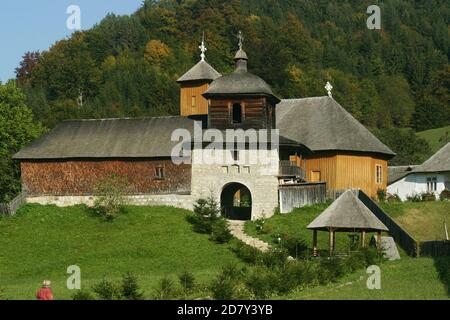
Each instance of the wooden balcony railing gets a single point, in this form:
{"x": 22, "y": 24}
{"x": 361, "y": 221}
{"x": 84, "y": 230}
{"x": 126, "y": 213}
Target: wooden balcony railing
{"x": 291, "y": 169}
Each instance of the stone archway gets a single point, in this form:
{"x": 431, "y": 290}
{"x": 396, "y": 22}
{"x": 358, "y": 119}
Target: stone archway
{"x": 236, "y": 202}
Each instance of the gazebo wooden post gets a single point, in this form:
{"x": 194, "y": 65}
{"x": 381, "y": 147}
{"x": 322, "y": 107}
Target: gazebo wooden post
{"x": 331, "y": 241}
{"x": 315, "y": 243}
{"x": 363, "y": 238}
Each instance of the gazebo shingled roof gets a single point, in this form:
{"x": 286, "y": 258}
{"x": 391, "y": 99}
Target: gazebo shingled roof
{"x": 347, "y": 213}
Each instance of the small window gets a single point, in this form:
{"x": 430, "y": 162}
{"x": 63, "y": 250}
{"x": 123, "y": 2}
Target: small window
{"x": 379, "y": 174}
{"x": 432, "y": 184}
{"x": 237, "y": 113}
{"x": 159, "y": 173}
{"x": 316, "y": 176}
{"x": 194, "y": 102}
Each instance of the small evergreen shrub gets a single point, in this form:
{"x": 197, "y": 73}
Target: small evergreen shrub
{"x": 294, "y": 245}
{"x": 227, "y": 285}
{"x": 246, "y": 253}
{"x": 371, "y": 256}
{"x": 206, "y": 212}
{"x": 259, "y": 225}
{"x": 428, "y": 196}
{"x": 187, "y": 281}
{"x": 165, "y": 289}
{"x": 445, "y": 195}
{"x": 260, "y": 283}
{"x": 220, "y": 232}
{"x": 130, "y": 289}
{"x": 83, "y": 295}
{"x": 356, "y": 261}
{"x": 275, "y": 257}
{"x": 106, "y": 290}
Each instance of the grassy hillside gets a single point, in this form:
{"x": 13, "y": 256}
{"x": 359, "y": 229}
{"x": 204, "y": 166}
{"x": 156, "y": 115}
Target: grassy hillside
{"x": 423, "y": 220}
{"x": 437, "y": 138}
{"x": 42, "y": 241}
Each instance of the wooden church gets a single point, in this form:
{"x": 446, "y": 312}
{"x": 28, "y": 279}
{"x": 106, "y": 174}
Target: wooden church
{"x": 320, "y": 143}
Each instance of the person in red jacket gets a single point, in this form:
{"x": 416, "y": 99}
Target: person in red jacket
{"x": 45, "y": 293}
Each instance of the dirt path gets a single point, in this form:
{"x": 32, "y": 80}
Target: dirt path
{"x": 237, "y": 230}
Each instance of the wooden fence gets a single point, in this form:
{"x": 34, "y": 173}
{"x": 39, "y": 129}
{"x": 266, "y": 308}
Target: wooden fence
{"x": 401, "y": 236}
{"x": 299, "y": 195}
{"x": 9, "y": 209}
{"x": 436, "y": 248}
{"x": 414, "y": 248}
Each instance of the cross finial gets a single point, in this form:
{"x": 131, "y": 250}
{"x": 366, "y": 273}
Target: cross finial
{"x": 329, "y": 87}
{"x": 202, "y": 47}
{"x": 241, "y": 39}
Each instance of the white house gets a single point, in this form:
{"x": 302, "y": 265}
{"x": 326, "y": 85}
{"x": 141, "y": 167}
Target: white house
{"x": 432, "y": 176}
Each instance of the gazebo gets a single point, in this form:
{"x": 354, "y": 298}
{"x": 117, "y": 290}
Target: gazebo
{"x": 346, "y": 214}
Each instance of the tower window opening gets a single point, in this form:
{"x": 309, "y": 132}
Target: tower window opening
{"x": 237, "y": 113}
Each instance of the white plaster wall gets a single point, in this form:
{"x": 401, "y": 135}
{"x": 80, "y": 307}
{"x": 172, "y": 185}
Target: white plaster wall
{"x": 172, "y": 200}
{"x": 417, "y": 183}
{"x": 261, "y": 179}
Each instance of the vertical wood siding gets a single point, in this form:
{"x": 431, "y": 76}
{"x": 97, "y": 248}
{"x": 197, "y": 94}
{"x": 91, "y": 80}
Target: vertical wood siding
{"x": 193, "y": 90}
{"x": 254, "y": 114}
{"x": 343, "y": 171}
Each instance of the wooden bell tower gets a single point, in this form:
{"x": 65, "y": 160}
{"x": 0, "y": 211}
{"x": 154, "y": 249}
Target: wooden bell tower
{"x": 194, "y": 83}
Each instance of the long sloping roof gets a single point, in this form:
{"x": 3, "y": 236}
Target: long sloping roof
{"x": 322, "y": 124}
{"x": 239, "y": 82}
{"x": 107, "y": 138}
{"x": 395, "y": 173}
{"x": 439, "y": 162}
{"x": 347, "y": 213}
{"x": 201, "y": 71}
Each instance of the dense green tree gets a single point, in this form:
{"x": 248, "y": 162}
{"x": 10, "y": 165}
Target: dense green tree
{"x": 16, "y": 130}
{"x": 409, "y": 148}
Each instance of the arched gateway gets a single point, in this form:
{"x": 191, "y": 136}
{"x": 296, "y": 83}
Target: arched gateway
{"x": 236, "y": 202}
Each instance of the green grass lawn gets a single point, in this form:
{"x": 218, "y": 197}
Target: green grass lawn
{"x": 437, "y": 138}
{"x": 423, "y": 220}
{"x": 42, "y": 241}
{"x": 408, "y": 278}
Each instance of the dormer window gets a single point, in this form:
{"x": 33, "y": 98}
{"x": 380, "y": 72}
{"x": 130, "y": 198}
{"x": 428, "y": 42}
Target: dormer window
{"x": 237, "y": 113}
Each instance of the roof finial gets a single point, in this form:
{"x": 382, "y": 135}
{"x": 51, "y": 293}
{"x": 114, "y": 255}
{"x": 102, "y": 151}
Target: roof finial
{"x": 329, "y": 87}
{"x": 202, "y": 47}
{"x": 241, "y": 39}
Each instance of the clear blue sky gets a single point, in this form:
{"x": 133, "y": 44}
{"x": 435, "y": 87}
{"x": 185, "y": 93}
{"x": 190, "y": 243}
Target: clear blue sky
{"x": 29, "y": 25}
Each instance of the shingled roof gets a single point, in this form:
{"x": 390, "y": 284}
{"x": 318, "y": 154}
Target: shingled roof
{"x": 201, "y": 71}
{"x": 347, "y": 213}
{"x": 395, "y": 173}
{"x": 439, "y": 162}
{"x": 240, "y": 82}
{"x": 107, "y": 138}
{"x": 322, "y": 124}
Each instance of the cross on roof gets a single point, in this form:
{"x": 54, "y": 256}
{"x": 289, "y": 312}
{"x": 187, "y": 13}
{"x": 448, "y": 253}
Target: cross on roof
{"x": 241, "y": 40}
{"x": 203, "y": 48}
{"x": 329, "y": 87}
